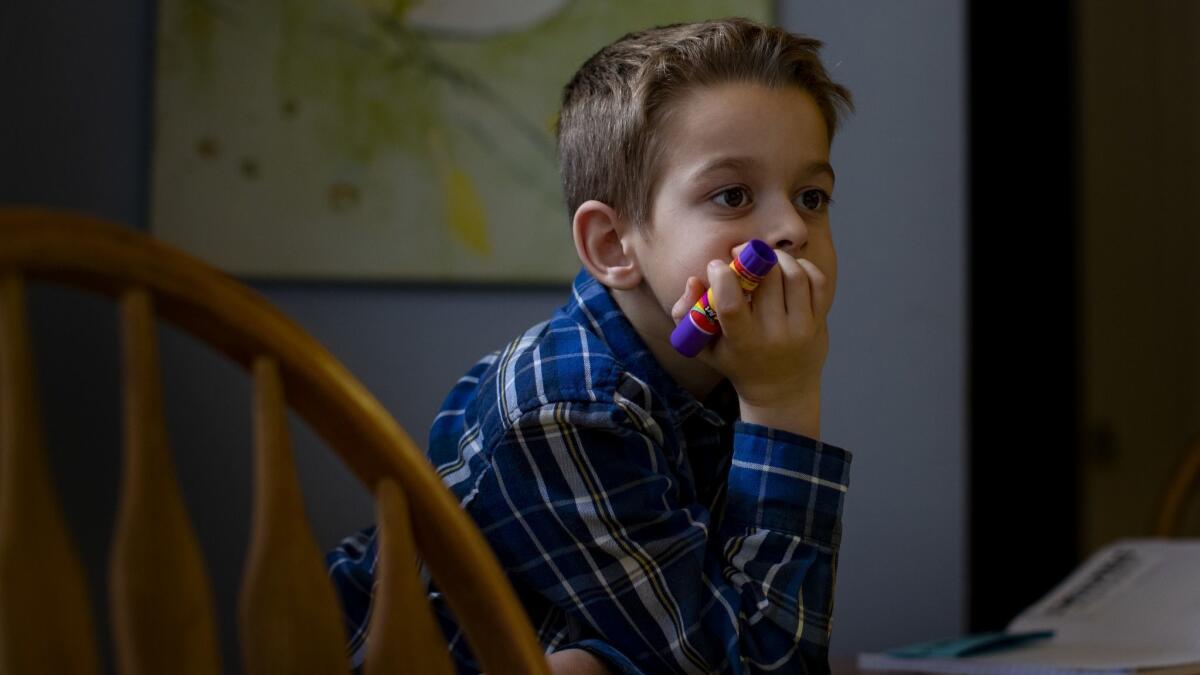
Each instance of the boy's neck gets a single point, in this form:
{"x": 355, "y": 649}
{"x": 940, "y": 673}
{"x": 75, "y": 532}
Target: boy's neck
{"x": 654, "y": 327}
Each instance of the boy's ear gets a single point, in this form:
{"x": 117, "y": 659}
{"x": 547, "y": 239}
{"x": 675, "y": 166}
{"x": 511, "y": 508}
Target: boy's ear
{"x": 602, "y": 242}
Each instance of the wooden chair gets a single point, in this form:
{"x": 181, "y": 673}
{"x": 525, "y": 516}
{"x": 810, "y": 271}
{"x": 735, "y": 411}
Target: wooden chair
{"x": 162, "y": 612}
{"x": 1182, "y": 491}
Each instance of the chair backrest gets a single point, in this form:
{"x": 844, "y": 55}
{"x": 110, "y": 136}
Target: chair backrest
{"x": 162, "y": 609}
{"x": 1182, "y": 492}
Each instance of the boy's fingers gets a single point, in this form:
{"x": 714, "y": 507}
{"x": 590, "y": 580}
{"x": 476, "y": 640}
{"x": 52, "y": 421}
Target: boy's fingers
{"x": 767, "y": 299}
{"x": 795, "y": 287}
{"x": 732, "y": 310}
{"x": 693, "y": 288}
{"x": 819, "y": 284}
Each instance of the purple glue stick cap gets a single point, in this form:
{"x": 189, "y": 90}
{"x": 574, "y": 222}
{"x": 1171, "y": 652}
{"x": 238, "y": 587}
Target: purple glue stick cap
{"x": 758, "y": 257}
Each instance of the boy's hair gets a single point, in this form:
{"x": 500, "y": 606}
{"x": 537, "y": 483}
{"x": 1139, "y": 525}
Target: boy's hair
{"x": 613, "y": 109}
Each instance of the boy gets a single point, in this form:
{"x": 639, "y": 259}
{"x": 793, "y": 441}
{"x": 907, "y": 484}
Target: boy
{"x": 659, "y": 514}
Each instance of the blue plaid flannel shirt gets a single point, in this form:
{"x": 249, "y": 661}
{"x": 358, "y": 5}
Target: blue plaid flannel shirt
{"x": 634, "y": 521}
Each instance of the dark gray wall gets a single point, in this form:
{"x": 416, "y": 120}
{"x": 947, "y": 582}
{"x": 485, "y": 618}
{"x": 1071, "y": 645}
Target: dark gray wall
{"x": 895, "y": 381}
{"x": 75, "y": 132}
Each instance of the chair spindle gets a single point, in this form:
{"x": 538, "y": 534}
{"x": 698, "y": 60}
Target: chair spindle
{"x": 288, "y": 612}
{"x": 46, "y": 621}
{"x": 162, "y": 606}
{"x": 404, "y": 636}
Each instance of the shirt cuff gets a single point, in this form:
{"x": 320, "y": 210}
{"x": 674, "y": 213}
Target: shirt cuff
{"x": 787, "y": 482}
{"x": 617, "y": 662}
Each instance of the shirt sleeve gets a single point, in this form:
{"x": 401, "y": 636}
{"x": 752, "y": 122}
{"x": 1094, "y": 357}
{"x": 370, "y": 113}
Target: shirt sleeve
{"x": 583, "y": 507}
{"x": 352, "y": 570}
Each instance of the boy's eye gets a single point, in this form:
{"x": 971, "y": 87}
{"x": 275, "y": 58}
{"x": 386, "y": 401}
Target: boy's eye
{"x": 733, "y": 197}
{"x": 815, "y": 200}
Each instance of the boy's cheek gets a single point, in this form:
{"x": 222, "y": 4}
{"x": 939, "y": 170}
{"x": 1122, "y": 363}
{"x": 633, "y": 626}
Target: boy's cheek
{"x": 667, "y": 290}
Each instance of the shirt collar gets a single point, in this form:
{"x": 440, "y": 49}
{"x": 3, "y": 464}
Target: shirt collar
{"x": 592, "y": 306}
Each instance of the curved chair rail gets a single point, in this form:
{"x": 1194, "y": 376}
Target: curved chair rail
{"x": 97, "y": 255}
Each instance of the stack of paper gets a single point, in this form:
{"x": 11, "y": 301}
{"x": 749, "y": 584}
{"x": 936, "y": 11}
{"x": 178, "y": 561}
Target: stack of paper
{"x": 1132, "y": 607}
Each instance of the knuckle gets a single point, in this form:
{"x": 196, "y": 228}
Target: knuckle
{"x": 734, "y": 308}
{"x": 813, "y": 272}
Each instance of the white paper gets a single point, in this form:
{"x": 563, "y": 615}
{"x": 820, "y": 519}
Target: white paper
{"x": 1133, "y": 605}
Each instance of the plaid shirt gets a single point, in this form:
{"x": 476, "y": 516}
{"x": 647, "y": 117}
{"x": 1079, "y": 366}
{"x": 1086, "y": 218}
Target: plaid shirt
{"x": 634, "y": 521}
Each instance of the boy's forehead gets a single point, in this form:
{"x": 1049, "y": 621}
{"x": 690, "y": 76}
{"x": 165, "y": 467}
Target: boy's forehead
{"x": 746, "y": 127}
{"x": 716, "y": 163}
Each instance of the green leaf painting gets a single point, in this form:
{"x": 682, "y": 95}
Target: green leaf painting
{"x": 377, "y": 139}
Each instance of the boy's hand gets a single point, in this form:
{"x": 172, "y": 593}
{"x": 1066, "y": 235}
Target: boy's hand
{"x": 772, "y": 350}
{"x": 576, "y": 662}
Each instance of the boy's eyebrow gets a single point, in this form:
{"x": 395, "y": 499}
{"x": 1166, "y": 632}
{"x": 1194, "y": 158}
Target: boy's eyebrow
{"x": 821, "y": 167}
{"x": 743, "y": 163}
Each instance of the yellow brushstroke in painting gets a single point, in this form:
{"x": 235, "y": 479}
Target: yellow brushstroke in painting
{"x": 462, "y": 204}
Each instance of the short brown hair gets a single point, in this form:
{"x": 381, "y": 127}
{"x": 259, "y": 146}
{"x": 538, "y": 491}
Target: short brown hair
{"x": 614, "y": 105}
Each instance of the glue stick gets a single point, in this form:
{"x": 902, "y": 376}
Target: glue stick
{"x": 700, "y": 325}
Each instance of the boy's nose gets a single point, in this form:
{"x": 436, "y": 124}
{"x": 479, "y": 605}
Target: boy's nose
{"x": 789, "y": 232}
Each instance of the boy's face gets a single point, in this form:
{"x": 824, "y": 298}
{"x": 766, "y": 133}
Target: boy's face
{"x": 742, "y": 161}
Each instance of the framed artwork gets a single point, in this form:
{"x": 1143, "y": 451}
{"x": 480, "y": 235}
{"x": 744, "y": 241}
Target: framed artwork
{"x": 377, "y": 139}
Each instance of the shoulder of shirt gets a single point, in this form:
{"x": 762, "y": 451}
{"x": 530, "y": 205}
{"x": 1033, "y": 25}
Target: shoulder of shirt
{"x": 558, "y": 361}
